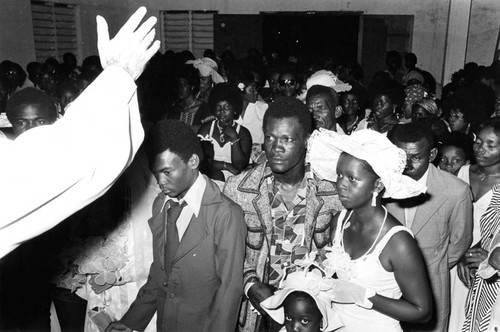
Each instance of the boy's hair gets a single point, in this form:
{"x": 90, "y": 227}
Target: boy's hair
{"x": 290, "y": 107}
{"x": 175, "y": 136}
{"x": 332, "y": 98}
{"x": 411, "y": 133}
{"x": 460, "y": 141}
{"x": 30, "y": 96}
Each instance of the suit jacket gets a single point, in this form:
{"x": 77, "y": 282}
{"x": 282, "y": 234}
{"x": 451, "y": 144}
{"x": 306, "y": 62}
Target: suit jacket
{"x": 442, "y": 227}
{"x": 202, "y": 289}
{"x": 250, "y": 190}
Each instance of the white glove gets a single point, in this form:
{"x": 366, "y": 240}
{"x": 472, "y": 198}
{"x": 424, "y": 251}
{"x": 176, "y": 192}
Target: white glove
{"x": 131, "y": 48}
{"x": 350, "y": 292}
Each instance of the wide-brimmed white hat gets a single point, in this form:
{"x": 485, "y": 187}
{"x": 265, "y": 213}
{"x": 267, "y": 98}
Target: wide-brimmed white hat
{"x": 328, "y": 79}
{"x": 313, "y": 283}
{"x": 387, "y": 160}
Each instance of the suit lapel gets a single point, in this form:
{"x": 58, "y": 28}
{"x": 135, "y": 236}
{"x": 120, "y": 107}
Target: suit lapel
{"x": 157, "y": 224}
{"x": 197, "y": 230}
{"x": 435, "y": 197}
{"x": 195, "y": 233}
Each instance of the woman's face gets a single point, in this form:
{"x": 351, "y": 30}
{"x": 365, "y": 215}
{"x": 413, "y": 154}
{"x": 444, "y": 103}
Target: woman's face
{"x": 354, "y": 184}
{"x": 418, "y": 112}
{"x": 205, "y": 83}
{"x": 451, "y": 159}
{"x": 288, "y": 85}
{"x": 487, "y": 148}
{"x": 457, "y": 121}
{"x": 250, "y": 93}
{"x": 224, "y": 112}
{"x": 350, "y": 104}
{"x": 184, "y": 88}
{"x": 382, "y": 106}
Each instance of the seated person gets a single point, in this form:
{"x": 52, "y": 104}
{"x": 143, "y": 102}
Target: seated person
{"x": 353, "y": 116}
{"x": 226, "y": 144}
{"x": 67, "y": 92}
{"x": 252, "y": 114}
{"x": 187, "y": 108}
{"x": 29, "y": 108}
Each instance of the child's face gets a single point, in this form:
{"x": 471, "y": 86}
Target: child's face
{"x": 452, "y": 158}
{"x": 301, "y": 316}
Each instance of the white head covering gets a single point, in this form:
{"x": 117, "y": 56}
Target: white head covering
{"x": 328, "y": 79}
{"x": 387, "y": 160}
{"x": 207, "y": 67}
{"x": 312, "y": 282}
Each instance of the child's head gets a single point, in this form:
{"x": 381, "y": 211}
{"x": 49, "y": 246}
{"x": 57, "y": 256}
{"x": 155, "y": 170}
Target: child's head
{"x": 301, "y": 313}
{"x": 454, "y": 151}
{"x": 303, "y": 303}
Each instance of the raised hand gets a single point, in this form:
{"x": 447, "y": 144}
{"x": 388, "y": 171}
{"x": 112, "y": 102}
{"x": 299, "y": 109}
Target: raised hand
{"x": 133, "y": 45}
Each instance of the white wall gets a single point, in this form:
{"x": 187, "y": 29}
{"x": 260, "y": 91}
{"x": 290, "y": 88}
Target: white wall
{"x": 429, "y": 26}
{"x": 483, "y": 31}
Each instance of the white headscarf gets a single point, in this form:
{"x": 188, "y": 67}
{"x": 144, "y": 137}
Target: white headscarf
{"x": 328, "y": 79}
{"x": 207, "y": 67}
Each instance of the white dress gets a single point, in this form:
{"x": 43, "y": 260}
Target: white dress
{"x": 370, "y": 273}
{"x": 458, "y": 290}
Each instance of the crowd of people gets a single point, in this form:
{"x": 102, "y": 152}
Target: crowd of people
{"x": 271, "y": 193}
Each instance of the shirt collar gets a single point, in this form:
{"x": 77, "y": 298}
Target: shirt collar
{"x": 193, "y": 196}
{"x": 423, "y": 179}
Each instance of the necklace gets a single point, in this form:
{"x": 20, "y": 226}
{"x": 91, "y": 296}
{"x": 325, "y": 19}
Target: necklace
{"x": 347, "y": 224}
{"x": 222, "y": 138}
{"x": 484, "y": 176}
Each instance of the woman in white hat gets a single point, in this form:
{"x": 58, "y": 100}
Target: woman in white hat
{"x": 382, "y": 276}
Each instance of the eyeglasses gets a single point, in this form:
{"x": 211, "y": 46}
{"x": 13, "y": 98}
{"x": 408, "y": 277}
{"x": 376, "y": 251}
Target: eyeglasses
{"x": 287, "y": 82}
{"x": 456, "y": 116}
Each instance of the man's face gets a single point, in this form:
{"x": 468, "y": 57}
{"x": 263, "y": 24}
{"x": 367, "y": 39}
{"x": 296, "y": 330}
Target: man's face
{"x": 174, "y": 176}
{"x": 324, "y": 116}
{"x": 418, "y": 156}
{"x": 30, "y": 116}
{"x": 285, "y": 144}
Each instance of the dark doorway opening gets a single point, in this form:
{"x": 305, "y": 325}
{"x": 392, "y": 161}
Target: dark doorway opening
{"x": 312, "y": 34}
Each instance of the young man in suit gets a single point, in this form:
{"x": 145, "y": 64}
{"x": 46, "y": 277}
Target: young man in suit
{"x": 196, "y": 279}
{"x": 441, "y": 220}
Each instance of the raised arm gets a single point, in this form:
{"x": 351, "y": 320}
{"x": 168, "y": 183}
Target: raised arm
{"x": 50, "y": 172}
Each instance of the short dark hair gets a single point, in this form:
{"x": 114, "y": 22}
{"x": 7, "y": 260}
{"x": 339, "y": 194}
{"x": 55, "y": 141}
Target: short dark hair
{"x": 30, "y": 96}
{"x": 226, "y": 92}
{"x": 332, "y": 98}
{"x": 191, "y": 75}
{"x": 175, "y": 136}
{"x": 411, "y": 133}
{"x": 493, "y": 123}
{"x": 290, "y": 107}
{"x": 302, "y": 296}
{"x": 461, "y": 141}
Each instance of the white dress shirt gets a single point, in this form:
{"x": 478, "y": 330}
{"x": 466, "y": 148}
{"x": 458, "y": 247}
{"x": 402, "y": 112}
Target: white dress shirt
{"x": 50, "y": 172}
{"x": 410, "y": 212}
{"x": 193, "y": 199}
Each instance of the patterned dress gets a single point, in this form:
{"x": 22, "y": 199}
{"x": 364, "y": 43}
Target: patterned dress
{"x": 484, "y": 292}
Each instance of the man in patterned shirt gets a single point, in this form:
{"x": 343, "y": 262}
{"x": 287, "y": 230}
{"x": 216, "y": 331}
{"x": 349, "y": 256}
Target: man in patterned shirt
{"x": 287, "y": 210}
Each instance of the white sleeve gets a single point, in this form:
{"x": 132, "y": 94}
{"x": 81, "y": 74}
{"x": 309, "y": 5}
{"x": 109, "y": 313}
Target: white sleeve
{"x": 50, "y": 172}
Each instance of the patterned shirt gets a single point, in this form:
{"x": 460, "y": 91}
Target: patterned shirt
{"x": 287, "y": 240}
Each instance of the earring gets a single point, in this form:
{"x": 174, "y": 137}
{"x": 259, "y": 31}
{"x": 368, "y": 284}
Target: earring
{"x": 374, "y": 198}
